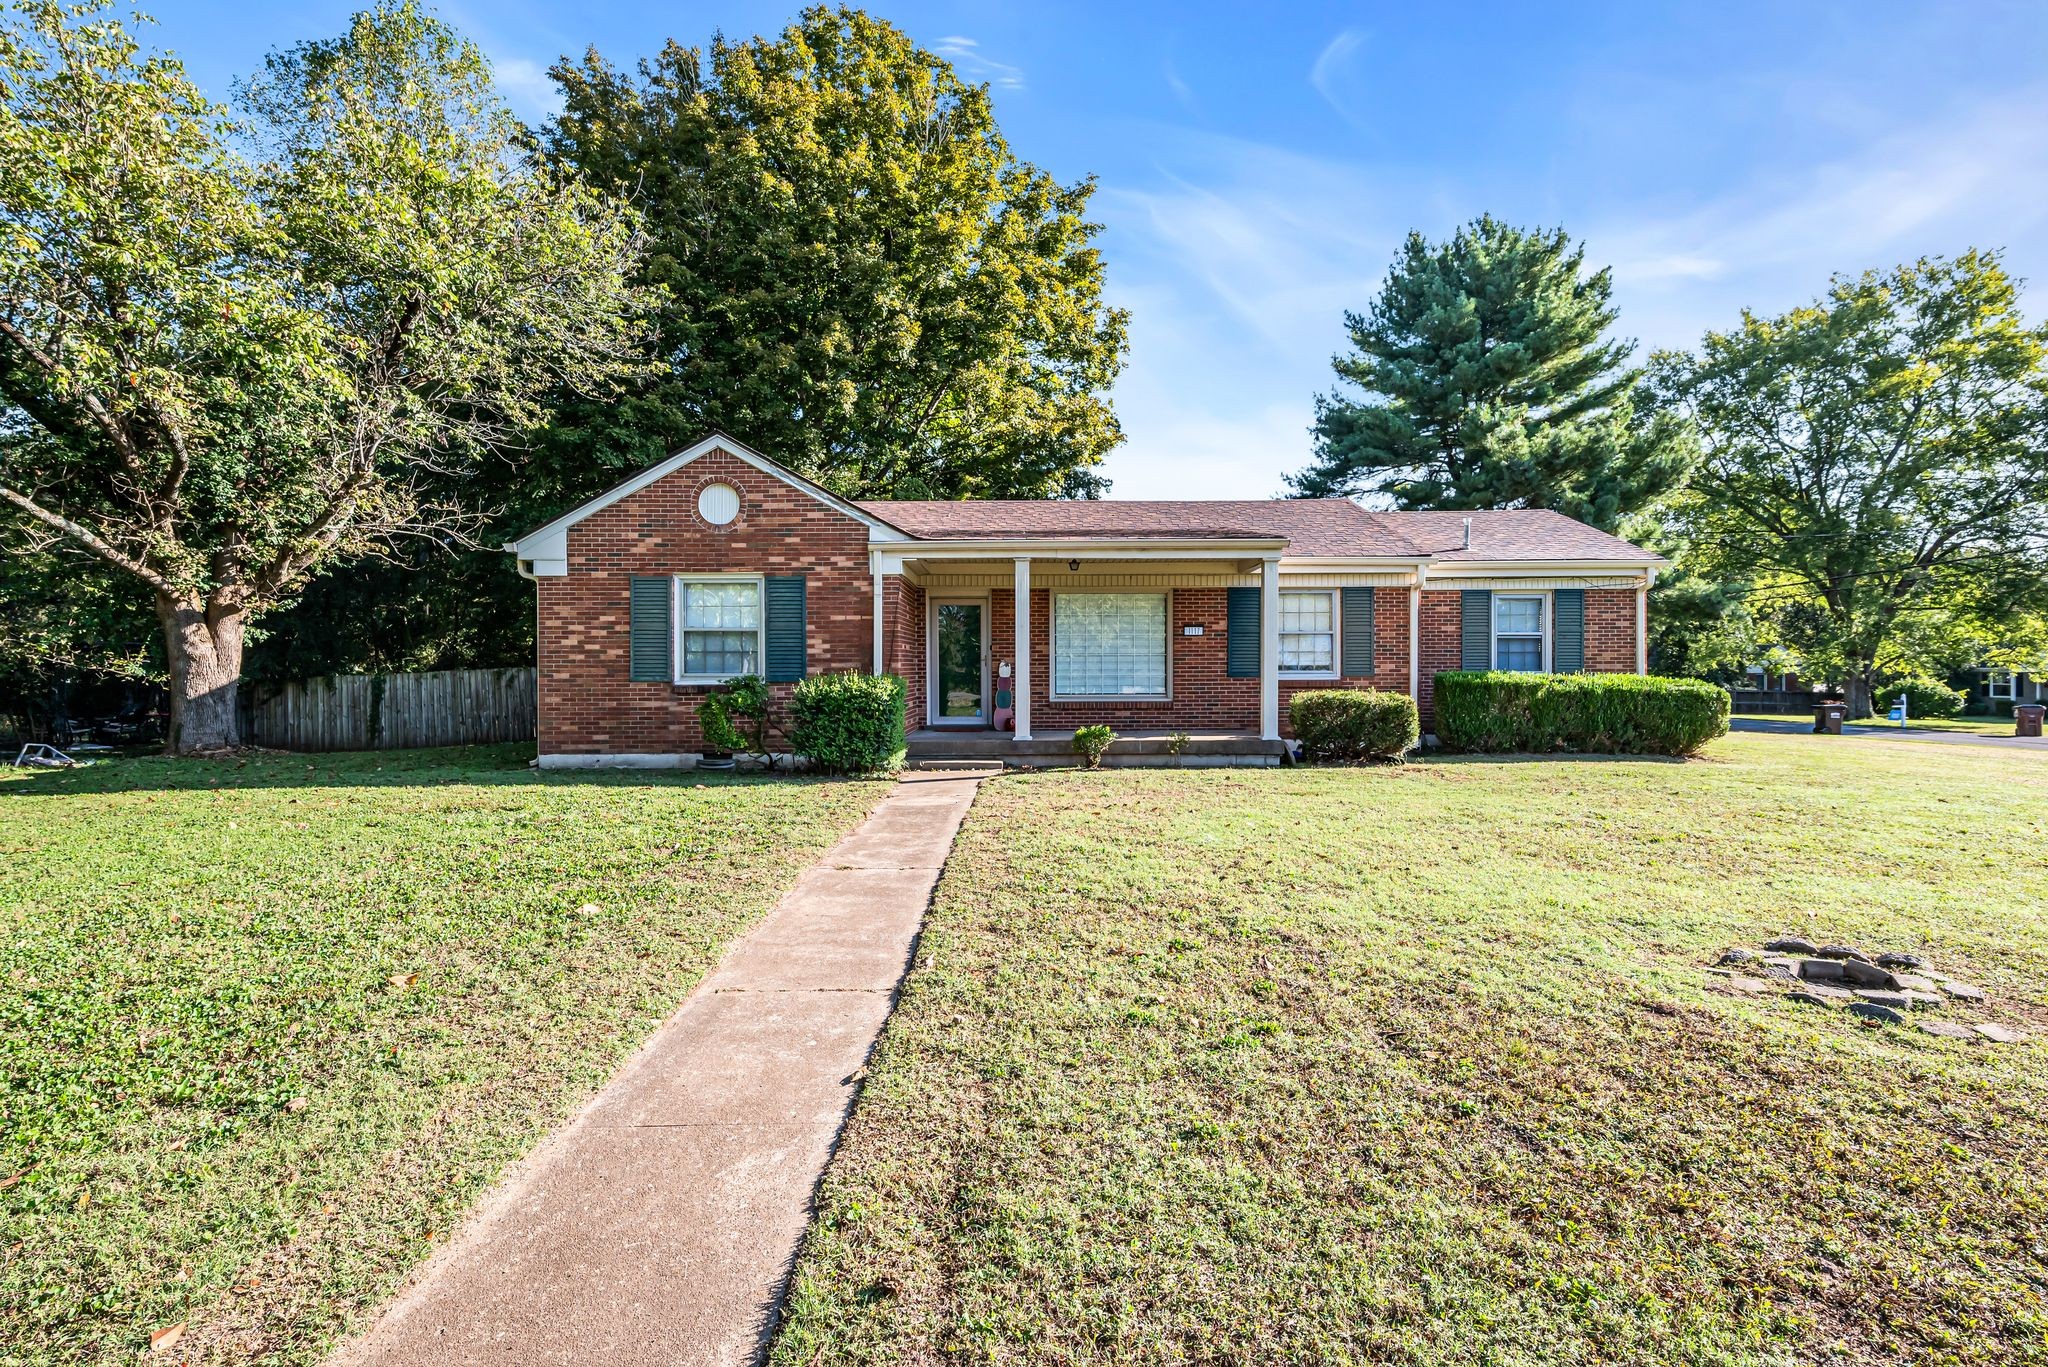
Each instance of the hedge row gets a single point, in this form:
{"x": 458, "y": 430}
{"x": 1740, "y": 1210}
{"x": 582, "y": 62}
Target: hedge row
{"x": 1609, "y": 714}
{"x": 1353, "y": 725}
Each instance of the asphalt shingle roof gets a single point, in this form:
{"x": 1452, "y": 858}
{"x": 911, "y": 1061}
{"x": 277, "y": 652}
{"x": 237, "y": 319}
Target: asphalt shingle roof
{"x": 1311, "y": 526}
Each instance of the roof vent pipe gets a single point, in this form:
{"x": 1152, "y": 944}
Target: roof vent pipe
{"x": 1468, "y": 534}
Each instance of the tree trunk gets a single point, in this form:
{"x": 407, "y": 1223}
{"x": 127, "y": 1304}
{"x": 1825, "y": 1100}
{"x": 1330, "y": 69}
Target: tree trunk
{"x": 1856, "y": 689}
{"x": 204, "y": 649}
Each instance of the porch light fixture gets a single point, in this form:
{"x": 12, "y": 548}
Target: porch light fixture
{"x": 1073, "y": 565}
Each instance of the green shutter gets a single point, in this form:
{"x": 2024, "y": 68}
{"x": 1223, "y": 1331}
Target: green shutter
{"x": 1357, "y": 634}
{"x": 782, "y": 611}
{"x": 1241, "y": 658}
{"x": 1477, "y": 628}
{"x": 650, "y": 655}
{"x": 1568, "y": 631}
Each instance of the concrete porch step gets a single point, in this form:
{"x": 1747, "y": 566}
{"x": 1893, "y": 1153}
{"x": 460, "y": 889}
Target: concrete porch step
{"x": 931, "y": 746}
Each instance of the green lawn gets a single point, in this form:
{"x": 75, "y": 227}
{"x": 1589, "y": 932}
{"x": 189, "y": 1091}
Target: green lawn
{"x": 268, "y": 1028}
{"x": 1423, "y": 1065}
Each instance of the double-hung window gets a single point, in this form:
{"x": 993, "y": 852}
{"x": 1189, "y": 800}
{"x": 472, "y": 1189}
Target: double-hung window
{"x": 1308, "y": 632}
{"x": 1518, "y": 636}
{"x": 2001, "y": 683}
{"x": 718, "y": 624}
{"x": 1109, "y": 645}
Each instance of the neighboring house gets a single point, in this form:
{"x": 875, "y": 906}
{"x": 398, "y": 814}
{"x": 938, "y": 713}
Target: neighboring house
{"x": 1198, "y": 616}
{"x": 1994, "y": 690}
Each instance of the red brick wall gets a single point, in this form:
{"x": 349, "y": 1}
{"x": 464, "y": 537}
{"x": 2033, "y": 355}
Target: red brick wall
{"x": 903, "y": 643}
{"x": 1442, "y": 645}
{"x": 587, "y": 703}
{"x": 1611, "y": 631}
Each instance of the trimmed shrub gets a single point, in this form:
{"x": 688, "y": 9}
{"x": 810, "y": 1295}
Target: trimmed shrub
{"x": 1605, "y": 714}
{"x": 1353, "y": 725}
{"x": 1091, "y": 741}
{"x": 1924, "y": 698}
{"x": 849, "y": 723}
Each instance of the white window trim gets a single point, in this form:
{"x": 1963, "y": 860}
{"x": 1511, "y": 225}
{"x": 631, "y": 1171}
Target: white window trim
{"x": 1493, "y": 628}
{"x": 2012, "y": 685}
{"x": 675, "y": 621}
{"x": 1052, "y": 671}
{"x": 1336, "y": 669}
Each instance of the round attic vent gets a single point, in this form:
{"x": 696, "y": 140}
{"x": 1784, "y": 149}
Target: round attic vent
{"x": 718, "y": 504}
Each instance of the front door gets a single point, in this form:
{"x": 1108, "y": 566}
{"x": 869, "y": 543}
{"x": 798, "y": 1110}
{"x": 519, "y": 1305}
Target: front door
{"x": 959, "y": 663}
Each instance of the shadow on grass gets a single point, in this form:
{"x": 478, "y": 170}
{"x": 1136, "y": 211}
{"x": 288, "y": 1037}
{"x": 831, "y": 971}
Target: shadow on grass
{"x": 1558, "y": 757}
{"x": 483, "y": 765}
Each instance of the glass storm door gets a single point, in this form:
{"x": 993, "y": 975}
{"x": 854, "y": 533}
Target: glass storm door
{"x": 959, "y": 678}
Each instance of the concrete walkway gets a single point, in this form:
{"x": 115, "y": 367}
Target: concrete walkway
{"x": 1796, "y": 727}
{"x": 659, "y": 1225}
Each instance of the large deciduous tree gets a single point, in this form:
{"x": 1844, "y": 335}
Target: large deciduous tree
{"x": 863, "y": 281}
{"x": 1880, "y": 453}
{"x": 1489, "y": 381}
{"x": 232, "y": 350}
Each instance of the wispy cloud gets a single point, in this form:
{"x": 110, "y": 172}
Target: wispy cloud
{"x": 967, "y": 57}
{"x": 1936, "y": 188}
{"x": 526, "y": 86}
{"x": 1182, "y": 91}
{"x": 1332, "y": 69}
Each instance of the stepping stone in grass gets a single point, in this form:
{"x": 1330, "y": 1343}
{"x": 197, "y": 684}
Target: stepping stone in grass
{"x": 1900, "y": 961}
{"x": 1740, "y": 956}
{"x": 1828, "y": 991}
{"x": 1948, "y": 1029}
{"x": 1925, "y": 1001}
{"x": 2000, "y": 1033}
{"x": 1869, "y": 975}
{"x": 1746, "y": 984}
{"x": 1913, "y": 982}
{"x": 1808, "y": 997}
{"x": 1962, "y": 992}
{"x": 1871, "y": 1011}
{"x": 1791, "y": 944}
{"x": 1895, "y": 1000}
{"x": 1820, "y": 970}
{"x": 1842, "y": 952}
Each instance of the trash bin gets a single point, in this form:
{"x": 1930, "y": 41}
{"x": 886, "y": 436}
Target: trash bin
{"x": 1827, "y": 718}
{"x": 2026, "y": 719}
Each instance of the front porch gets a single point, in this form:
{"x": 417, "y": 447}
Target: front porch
{"x": 1140, "y": 748}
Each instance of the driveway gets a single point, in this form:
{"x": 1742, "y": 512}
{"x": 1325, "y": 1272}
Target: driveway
{"x": 1793, "y": 726}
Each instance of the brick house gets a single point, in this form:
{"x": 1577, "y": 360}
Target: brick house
{"x": 1016, "y": 621}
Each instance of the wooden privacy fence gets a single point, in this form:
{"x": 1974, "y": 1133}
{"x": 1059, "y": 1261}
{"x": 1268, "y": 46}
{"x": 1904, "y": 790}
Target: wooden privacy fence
{"x": 390, "y": 711}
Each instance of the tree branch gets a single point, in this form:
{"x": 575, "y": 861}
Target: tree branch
{"x": 88, "y": 538}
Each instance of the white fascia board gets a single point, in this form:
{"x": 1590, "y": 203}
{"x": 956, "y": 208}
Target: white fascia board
{"x": 1523, "y": 569}
{"x": 551, "y": 542}
{"x": 891, "y": 559}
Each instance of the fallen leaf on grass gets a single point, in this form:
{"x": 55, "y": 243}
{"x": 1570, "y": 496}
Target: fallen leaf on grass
{"x": 297, "y": 1104}
{"x": 404, "y": 979}
{"x": 163, "y": 1340}
{"x": 6, "y": 1182}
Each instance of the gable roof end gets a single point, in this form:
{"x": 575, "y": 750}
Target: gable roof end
{"x": 547, "y": 548}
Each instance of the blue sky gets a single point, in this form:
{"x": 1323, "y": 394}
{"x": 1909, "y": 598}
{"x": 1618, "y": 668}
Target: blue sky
{"x": 1258, "y": 165}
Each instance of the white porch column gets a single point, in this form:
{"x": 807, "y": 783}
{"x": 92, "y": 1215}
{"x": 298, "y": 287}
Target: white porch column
{"x": 1020, "y": 668}
{"x": 875, "y": 572}
{"x": 1415, "y": 643}
{"x": 1269, "y": 650}
{"x": 1643, "y": 627}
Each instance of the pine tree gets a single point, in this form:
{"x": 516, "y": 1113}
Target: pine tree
{"x": 1489, "y": 383}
